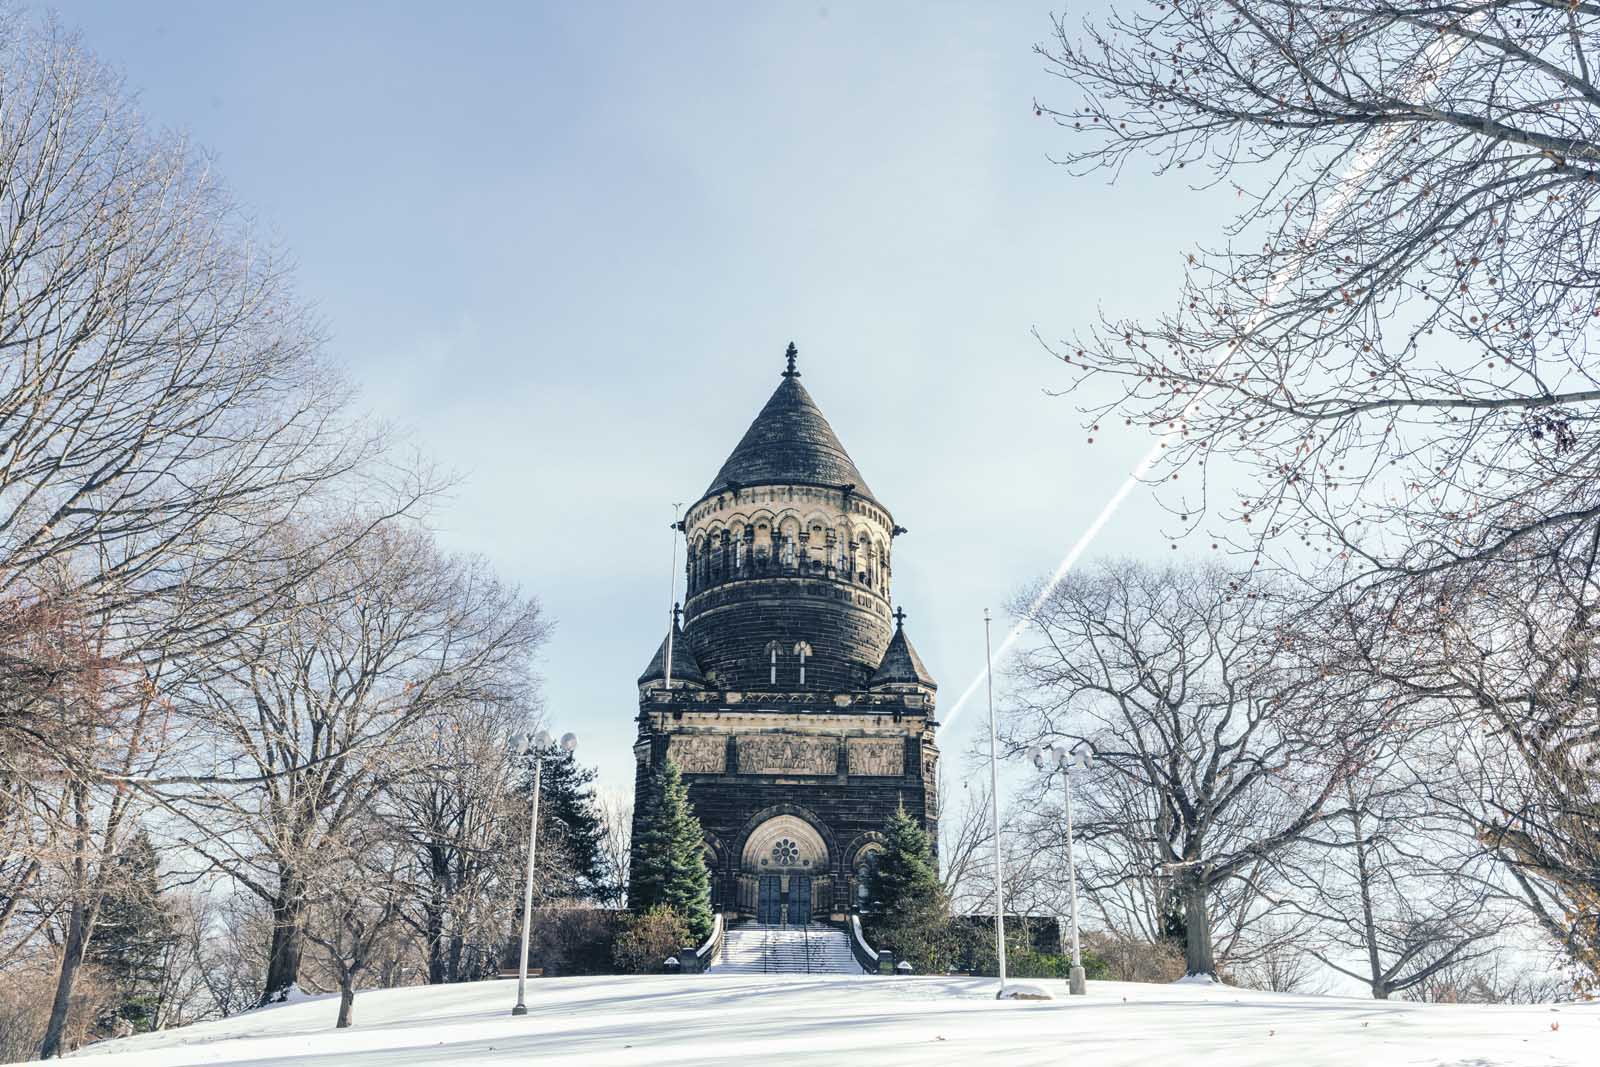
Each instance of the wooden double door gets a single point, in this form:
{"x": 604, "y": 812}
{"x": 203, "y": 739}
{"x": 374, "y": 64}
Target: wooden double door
{"x": 774, "y": 905}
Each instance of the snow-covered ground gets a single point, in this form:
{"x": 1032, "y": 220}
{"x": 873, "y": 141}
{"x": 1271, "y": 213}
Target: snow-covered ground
{"x": 866, "y": 1020}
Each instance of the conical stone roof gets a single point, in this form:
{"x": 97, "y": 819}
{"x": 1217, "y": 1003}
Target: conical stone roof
{"x": 685, "y": 668}
{"x": 901, "y": 665}
{"x": 790, "y": 443}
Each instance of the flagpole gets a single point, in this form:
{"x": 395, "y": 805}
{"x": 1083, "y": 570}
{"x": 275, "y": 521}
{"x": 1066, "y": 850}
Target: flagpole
{"x": 994, "y": 799}
{"x": 672, "y": 592}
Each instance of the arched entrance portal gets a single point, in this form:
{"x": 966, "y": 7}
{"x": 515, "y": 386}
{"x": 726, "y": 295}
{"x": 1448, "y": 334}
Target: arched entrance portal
{"x": 783, "y": 871}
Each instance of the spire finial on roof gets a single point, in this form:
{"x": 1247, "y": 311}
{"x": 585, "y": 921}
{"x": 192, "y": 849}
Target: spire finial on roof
{"x": 677, "y": 611}
{"x": 791, "y": 355}
{"x": 899, "y": 618}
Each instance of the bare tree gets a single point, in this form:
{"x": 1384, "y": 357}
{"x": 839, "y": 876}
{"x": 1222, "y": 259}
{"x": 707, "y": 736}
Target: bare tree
{"x": 161, "y": 396}
{"x": 1502, "y": 664}
{"x": 460, "y": 816}
{"x": 114, "y": 718}
{"x": 312, "y": 706}
{"x": 183, "y": 995}
{"x": 228, "y": 948}
{"x": 164, "y": 411}
{"x": 1397, "y": 343}
{"x": 1281, "y": 965}
{"x": 1126, "y": 889}
{"x": 1494, "y": 979}
{"x": 616, "y": 816}
{"x": 966, "y": 836}
{"x": 1400, "y": 891}
{"x": 1190, "y": 686}
{"x": 361, "y": 891}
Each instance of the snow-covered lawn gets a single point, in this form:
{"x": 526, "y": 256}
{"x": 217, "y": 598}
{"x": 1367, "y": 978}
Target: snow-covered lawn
{"x": 869, "y": 1021}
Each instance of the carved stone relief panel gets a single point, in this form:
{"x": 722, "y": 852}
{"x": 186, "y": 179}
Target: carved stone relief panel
{"x": 788, "y": 754}
{"x": 698, "y": 754}
{"x": 874, "y": 757}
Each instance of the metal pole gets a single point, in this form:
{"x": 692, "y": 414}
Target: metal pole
{"x": 1076, "y": 983}
{"x": 672, "y": 592}
{"x": 994, "y": 797}
{"x": 527, "y": 894}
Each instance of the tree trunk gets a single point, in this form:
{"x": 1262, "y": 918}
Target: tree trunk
{"x": 71, "y": 961}
{"x": 1369, "y": 925}
{"x": 347, "y": 1001}
{"x": 456, "y": 944}
{"x": 283, "y": 957}
{"x": 433, "y": 920}
{"x": 1197, "y": 957}
{"x": 80, "y": 922}
{"x": 433, "y": 915}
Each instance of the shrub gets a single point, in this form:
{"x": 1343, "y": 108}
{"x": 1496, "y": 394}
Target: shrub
{"x": 578, "y": 940}
{"x": 1132, "y": 959}
{"x": 25, "y": 998}
{"x": 647, "y": 940}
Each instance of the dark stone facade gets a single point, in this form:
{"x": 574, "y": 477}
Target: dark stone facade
{"x": 797, "y": 710}
{"x": 729, "y": 628}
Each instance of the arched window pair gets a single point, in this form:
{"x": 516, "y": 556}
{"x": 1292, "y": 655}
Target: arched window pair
{"x": 801, "y": 651}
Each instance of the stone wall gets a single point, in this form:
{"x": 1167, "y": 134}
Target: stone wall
{"x": 731, "y": 627}
{"x": 843, "y": 774}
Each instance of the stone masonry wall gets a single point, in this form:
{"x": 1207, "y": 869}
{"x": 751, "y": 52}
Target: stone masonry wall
{"x": 730, "y": 627}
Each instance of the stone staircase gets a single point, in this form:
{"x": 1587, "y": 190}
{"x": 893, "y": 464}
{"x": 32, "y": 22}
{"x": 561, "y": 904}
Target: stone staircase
{"x": 755, "y": 948}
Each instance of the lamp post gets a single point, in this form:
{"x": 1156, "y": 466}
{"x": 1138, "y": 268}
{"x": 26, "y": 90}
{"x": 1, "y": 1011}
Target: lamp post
{"x": 535, "y": 743}
{"x": 1080, "y": 758}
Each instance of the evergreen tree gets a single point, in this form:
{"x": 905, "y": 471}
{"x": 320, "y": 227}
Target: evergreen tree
{"x": 132, "y": 935}
{"x": 669, "y": 864}
{"x": 1174, "y": 924}
{"x": 906, "y": 905}
{"x": 571, "y": 833}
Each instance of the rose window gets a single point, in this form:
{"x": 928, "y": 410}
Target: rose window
{"x": 786, "y": 853}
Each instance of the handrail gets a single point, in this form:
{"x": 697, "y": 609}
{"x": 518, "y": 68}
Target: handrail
{"x": 693, "y": 960}
{"x": 863, "y": 952}
{"x": 707, "y": 952}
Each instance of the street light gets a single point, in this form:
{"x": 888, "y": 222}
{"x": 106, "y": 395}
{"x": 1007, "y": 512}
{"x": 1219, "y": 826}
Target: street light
{"x": 522, "y": 745}
{"x": 1050, "y": 759}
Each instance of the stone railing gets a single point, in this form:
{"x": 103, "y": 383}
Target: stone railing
{"x": 698, "y": 960}
{"x": 872, "y": 961}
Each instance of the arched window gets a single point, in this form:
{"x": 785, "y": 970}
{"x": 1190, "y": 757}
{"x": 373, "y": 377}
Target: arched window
{"x": 866, "y": 865}
{"x": 802, "y": 650}
{"x": 772, "y": 663}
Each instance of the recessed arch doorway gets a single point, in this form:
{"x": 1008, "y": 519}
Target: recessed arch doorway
{"x": 783, "y": 871}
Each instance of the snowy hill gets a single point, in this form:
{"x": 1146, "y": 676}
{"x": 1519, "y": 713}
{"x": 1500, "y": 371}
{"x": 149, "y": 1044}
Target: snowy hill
{"x": 869, "y": 1020}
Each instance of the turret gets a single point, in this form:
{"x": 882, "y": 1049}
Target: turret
{"x": 789, "y": 557}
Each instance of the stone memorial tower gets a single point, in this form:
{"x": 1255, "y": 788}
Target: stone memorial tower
{"x": 796, "y": 709}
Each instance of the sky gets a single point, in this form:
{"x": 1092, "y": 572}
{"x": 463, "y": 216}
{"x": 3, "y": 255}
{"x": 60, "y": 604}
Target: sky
{"x": 562, "y": 248}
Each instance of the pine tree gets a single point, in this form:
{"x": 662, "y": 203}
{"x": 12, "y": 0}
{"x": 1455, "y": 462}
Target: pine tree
{"x": 669, "y": 864}
{"x": 132, "y": 934}
{"x": 571, "y": 832}
{"x": 906, "y": 905}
